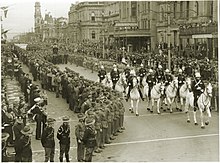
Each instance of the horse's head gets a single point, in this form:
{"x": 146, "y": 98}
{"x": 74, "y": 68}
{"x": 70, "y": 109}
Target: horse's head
{"x": 135, "y": 82}
{"x": 161, "y": 88}
{"x": 175, "y": 83}
{"x": 208, "y": 90}
{"x": 123, "y": 78}
{"x": 188, "y": 83}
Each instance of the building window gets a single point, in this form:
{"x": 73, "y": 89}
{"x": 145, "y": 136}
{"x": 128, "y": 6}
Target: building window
{"x": 93, "y": 16}
{"x": 134, "y": 9}
{"x": 93, "y": 34}
{"x": 174, "y": 10}
{"x": 161, "y": 13}
{"x": 148, "y": 24}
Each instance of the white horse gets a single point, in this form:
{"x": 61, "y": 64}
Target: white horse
{"x": 121, "y": 83}
{"x": 183, "y": 91}
{"x": 204, "y": 102}
{"x": 190, "y": 101}
{"x": 146, "y": 92}
{"x": 156, "y": 93}
{"x": 107, "y": 81}
{"x": 171, "y": 93}
{"x": 134, "y": 95}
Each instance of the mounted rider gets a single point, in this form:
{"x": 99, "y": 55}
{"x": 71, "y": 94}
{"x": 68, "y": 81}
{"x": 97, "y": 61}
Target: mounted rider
{"x": 101, "y": 73}
{"x": 198, "y": 88}
{"x": 151, "y": 81}
{"x": 167, "y": 79}
{"x": 141, "y": 73}
{"x": 127, "y": 71}
{"x": 159, "y": 74}
{"x": 114, "y": 75}
{"x": 181, "y": 80}
{"x": 130, "y": 84}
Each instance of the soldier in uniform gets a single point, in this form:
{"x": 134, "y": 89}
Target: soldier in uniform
{"x": 89, "y": 138}
{"x": 167, "y": 78}
{"x": 151, "y": 81}
{"x": 141, "y": 73}
{"x": 197, "y": 88}
{"x": 159, "y": 73}
{"x": 114, "y": 75}
{"x": 63, "y": 135}
{"x": 130, "y": 85}
{"x": 79, "y": 133}
{"x": 47, "y": 140}
{"x": 181, "y": 79}
{"x": 25, "y": 144}
{"x": 17, "y": 132}
{"x": 101, "y": 74}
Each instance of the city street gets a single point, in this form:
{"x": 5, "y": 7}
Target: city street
{"x": 149, "y": 137}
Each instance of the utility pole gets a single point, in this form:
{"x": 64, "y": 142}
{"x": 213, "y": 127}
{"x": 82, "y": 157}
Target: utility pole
{"x": 168, "y": 39}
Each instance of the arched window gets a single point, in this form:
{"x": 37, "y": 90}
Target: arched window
{"x": 93, "y": 16}
{"x": 93, "y": 34}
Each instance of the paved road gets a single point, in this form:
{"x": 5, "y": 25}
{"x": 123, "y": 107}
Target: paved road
{"x": 149, "y": 137}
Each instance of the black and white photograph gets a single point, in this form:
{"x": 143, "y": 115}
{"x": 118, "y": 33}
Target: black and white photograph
{"x": 109, "y": 81}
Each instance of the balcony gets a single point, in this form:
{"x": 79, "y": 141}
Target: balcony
{"x": 199, "y": 30}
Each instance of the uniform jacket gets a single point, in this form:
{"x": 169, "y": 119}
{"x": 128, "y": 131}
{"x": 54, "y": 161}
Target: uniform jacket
{"x": 151, "y": 80}
{"x": 181, "y": 79}
{"x": 89, "y": 137}
{"x": 198, "y": 87}
{"x": 159, "y": 75}
{"x": 142, "y": 72}
{"x": 25, "y": 146}
{"x": 63, "y": 134}
{"x": 167, "y": 79}
{"x": 79, "y": 130}
{"x": 115, "y": 75}
{"x": 101, "y": 74}
{"x": 47, "y": 138}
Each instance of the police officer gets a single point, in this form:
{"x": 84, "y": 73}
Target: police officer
{"x": 167, "y": 77}
{"x": 151, "y": 81}
{"x": 127, "y": 71}
{"x": 101, "y": 74}
{"x": 79, "y": 133}
{"x": 89, "y": 138}
{"x": 47, "y": 140}
{"x": 159, "y": 73}
{"x": 198, "y": 87}
{"x": 181, "y": 80}
{"x": 63, "y": 135}
{"x": 130, "y": 85}
{"x": 114, "y": 75}
{"x": 141, "y": 73}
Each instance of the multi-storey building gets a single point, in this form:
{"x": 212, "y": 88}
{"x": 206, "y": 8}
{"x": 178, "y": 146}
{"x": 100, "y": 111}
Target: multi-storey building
{"x": 86, "y": 21}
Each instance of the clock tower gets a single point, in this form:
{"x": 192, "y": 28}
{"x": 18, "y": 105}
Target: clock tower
{"x": 37, "y": 17}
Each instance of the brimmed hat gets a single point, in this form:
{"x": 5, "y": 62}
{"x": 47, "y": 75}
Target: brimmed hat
{"x": 5, "y": 136}
{"x": 51, "y": 120}
{"x": 66, "y": 119}
{"x": 89, "y": 121}
{"x": 81, "y": 116}
{"x": 27, "y": 130}
{"x": 38, "y": 99}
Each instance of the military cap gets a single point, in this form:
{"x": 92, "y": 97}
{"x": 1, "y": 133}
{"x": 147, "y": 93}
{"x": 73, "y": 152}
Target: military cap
{"x": 27, "y": 130}
{"x": 89, "y": 121}
{"x": 51, "y": 120}
{"x": 66, "y": 119}
{"x": 81, "y": 116}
